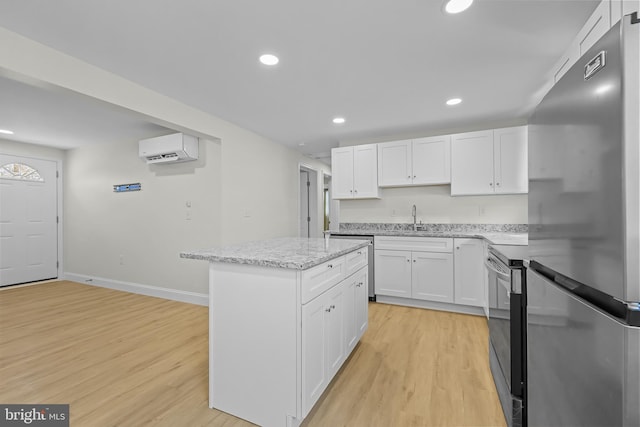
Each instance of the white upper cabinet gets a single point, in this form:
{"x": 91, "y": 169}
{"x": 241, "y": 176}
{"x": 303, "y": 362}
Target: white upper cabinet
{"x": 595, "y": 27}
{"x": 489, "y": 162}
{"x": 510, "y": 160}
{"x": 432, "y": 160}
{"x": 394, "y": 163}
{"x": 472, "y": 163}
{"x": 342, "y": 172}
{"x": 422, "y": 161}
{"x": 355, "y": 172}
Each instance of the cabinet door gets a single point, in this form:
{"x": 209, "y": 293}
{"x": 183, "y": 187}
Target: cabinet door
{"x": 350, "y": 298}
{"x": 431, "y": 160}
{"x": 393, "y": 273}
{"x": 596, "y": 26}
{"x": 432, "y": 276}
{"x": 335, "y": 310}
{"x": 314, "y": 365}
{"x": 342, "y": 173}
{"x": 394, "y": 163}
{"x": 362, "y": 302}
{"x": 365, "y": 171}
{"x": 469, "y": 269}
{"x": 472, "y": 163}
{"x": 510, "y": 160}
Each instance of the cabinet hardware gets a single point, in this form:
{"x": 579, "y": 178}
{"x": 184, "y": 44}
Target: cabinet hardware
{"x": 491, "y": 184}
{"x": 333, "y": 306}
{"x": 414, "y": 176}
{"x": 414, "y": 260}
{"x": 408, "y": 260}
{"x": 359, "y": 252}
{"x": 409, "y": 176}
{"x": 328, "y": 310}
{"x": 330, "y": 266}
{"x": 498, "y": 184}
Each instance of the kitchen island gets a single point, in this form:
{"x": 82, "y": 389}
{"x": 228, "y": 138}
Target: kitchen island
{"x": 284, "y": 315}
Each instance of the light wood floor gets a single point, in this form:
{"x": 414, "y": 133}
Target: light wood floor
{"x": 121, "y": 359}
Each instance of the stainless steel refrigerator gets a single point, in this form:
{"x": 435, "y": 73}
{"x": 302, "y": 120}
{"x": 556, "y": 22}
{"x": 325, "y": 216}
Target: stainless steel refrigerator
{"x": 583, "y": 281}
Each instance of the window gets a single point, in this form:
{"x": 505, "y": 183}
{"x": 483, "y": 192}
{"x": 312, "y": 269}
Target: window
{"x": 20, "y": 171}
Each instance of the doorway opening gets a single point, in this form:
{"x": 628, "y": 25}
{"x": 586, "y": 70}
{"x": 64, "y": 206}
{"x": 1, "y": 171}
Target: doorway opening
{"x": 308, "y": 206}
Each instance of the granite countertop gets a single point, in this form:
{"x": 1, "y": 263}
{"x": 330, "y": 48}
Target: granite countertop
{"x": 288, "y": 252}
{"x": 496, "y": 234}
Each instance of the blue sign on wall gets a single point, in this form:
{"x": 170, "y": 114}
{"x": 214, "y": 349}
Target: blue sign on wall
{"x": 121, "y": 188}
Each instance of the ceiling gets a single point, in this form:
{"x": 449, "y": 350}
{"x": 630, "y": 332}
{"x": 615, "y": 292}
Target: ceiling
{"x": 387, "y": 67}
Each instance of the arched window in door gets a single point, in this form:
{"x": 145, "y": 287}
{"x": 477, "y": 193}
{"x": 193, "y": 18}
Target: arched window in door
{"x": 20, "y": 171}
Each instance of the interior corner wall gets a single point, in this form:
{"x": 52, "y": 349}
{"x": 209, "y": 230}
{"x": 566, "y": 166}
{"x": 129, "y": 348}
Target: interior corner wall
{"x": 434, "y": 204}
{"x": 136, "y": 237}
{"x": 260, "y": 188}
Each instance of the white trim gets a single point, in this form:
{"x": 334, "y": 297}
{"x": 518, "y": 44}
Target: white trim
{"x": 431, "y": 305}
{"x": 137, "y": 288}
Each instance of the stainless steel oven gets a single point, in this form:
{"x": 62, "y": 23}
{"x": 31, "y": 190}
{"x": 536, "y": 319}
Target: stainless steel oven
{"x": 507, "y": 328}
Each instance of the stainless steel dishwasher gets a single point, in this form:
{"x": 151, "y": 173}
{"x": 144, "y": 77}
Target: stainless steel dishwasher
{"x": 372, "y": 295}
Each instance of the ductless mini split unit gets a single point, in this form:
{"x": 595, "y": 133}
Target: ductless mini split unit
{"x": 173, "y": 148}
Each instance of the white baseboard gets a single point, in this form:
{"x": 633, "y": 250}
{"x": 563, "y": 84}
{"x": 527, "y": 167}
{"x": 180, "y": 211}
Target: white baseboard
{"x": 431, "y": 305}
{"x": 136, "y": 288}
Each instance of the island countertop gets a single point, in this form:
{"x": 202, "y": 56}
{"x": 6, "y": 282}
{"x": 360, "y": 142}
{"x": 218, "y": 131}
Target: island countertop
{"x": 287, "y": 252}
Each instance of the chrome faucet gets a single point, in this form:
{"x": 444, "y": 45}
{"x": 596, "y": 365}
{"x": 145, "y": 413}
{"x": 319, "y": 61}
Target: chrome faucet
{"x": 413, "y": 213}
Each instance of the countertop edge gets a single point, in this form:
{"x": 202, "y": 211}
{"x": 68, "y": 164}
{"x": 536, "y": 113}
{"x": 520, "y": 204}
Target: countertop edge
{"x": 409, "y": 234}
{"x": 262, "y": 262}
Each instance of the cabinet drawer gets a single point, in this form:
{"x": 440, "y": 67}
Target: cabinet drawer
{"x": 356, "y": 260}
{"x": 427, "y": 244}
{"x": 318, "y": 279}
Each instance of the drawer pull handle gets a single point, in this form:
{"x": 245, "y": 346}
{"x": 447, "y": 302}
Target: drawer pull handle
{"x": 359, "y": 284}
{"x": 359, "y": 252}
{"x": 330, "y": 266}
{"x": 328, "y": 310}
{"x": 333, "y": 306}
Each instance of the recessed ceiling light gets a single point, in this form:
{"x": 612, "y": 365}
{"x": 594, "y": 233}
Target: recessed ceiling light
{"x": 7, "y": 132}
{"x": 454, "y": 101}
{"x": 457, "y": 6}
{"x": 268, "y": 59}
{"x": 338, "y": 120}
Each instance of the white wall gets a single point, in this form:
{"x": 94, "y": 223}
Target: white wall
{"x": 31, "y": 150}
{"x": 136, "y": 237}
{"x": 434, "y": 204}
{"x": 246, "y": 187}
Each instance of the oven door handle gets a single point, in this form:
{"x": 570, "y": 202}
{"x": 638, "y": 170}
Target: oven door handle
{"x": 489, "y": 263}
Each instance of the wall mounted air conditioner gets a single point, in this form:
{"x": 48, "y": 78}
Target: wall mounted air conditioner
{"x": 173, "y": 148}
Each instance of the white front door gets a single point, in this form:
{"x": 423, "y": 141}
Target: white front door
{"x": 28, "y": 220}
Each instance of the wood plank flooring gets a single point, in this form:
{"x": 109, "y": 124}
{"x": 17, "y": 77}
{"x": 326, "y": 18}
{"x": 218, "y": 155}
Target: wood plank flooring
{"x": 122, "y": 359}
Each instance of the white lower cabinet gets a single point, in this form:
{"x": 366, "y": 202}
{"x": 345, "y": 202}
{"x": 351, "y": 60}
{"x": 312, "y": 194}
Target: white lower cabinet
{"x": 332, "y": 324}
{"x": 425, "y": 272}
{"x": 357, "y": 320}
{"x": 432, "y": 276}
{"x": 444, "y": 273}
{"x": 469, "y": 271}
{"x": 393, "y": 273}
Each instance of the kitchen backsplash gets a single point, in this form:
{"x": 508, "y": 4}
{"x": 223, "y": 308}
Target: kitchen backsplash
{"x": 467, "y": 228}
